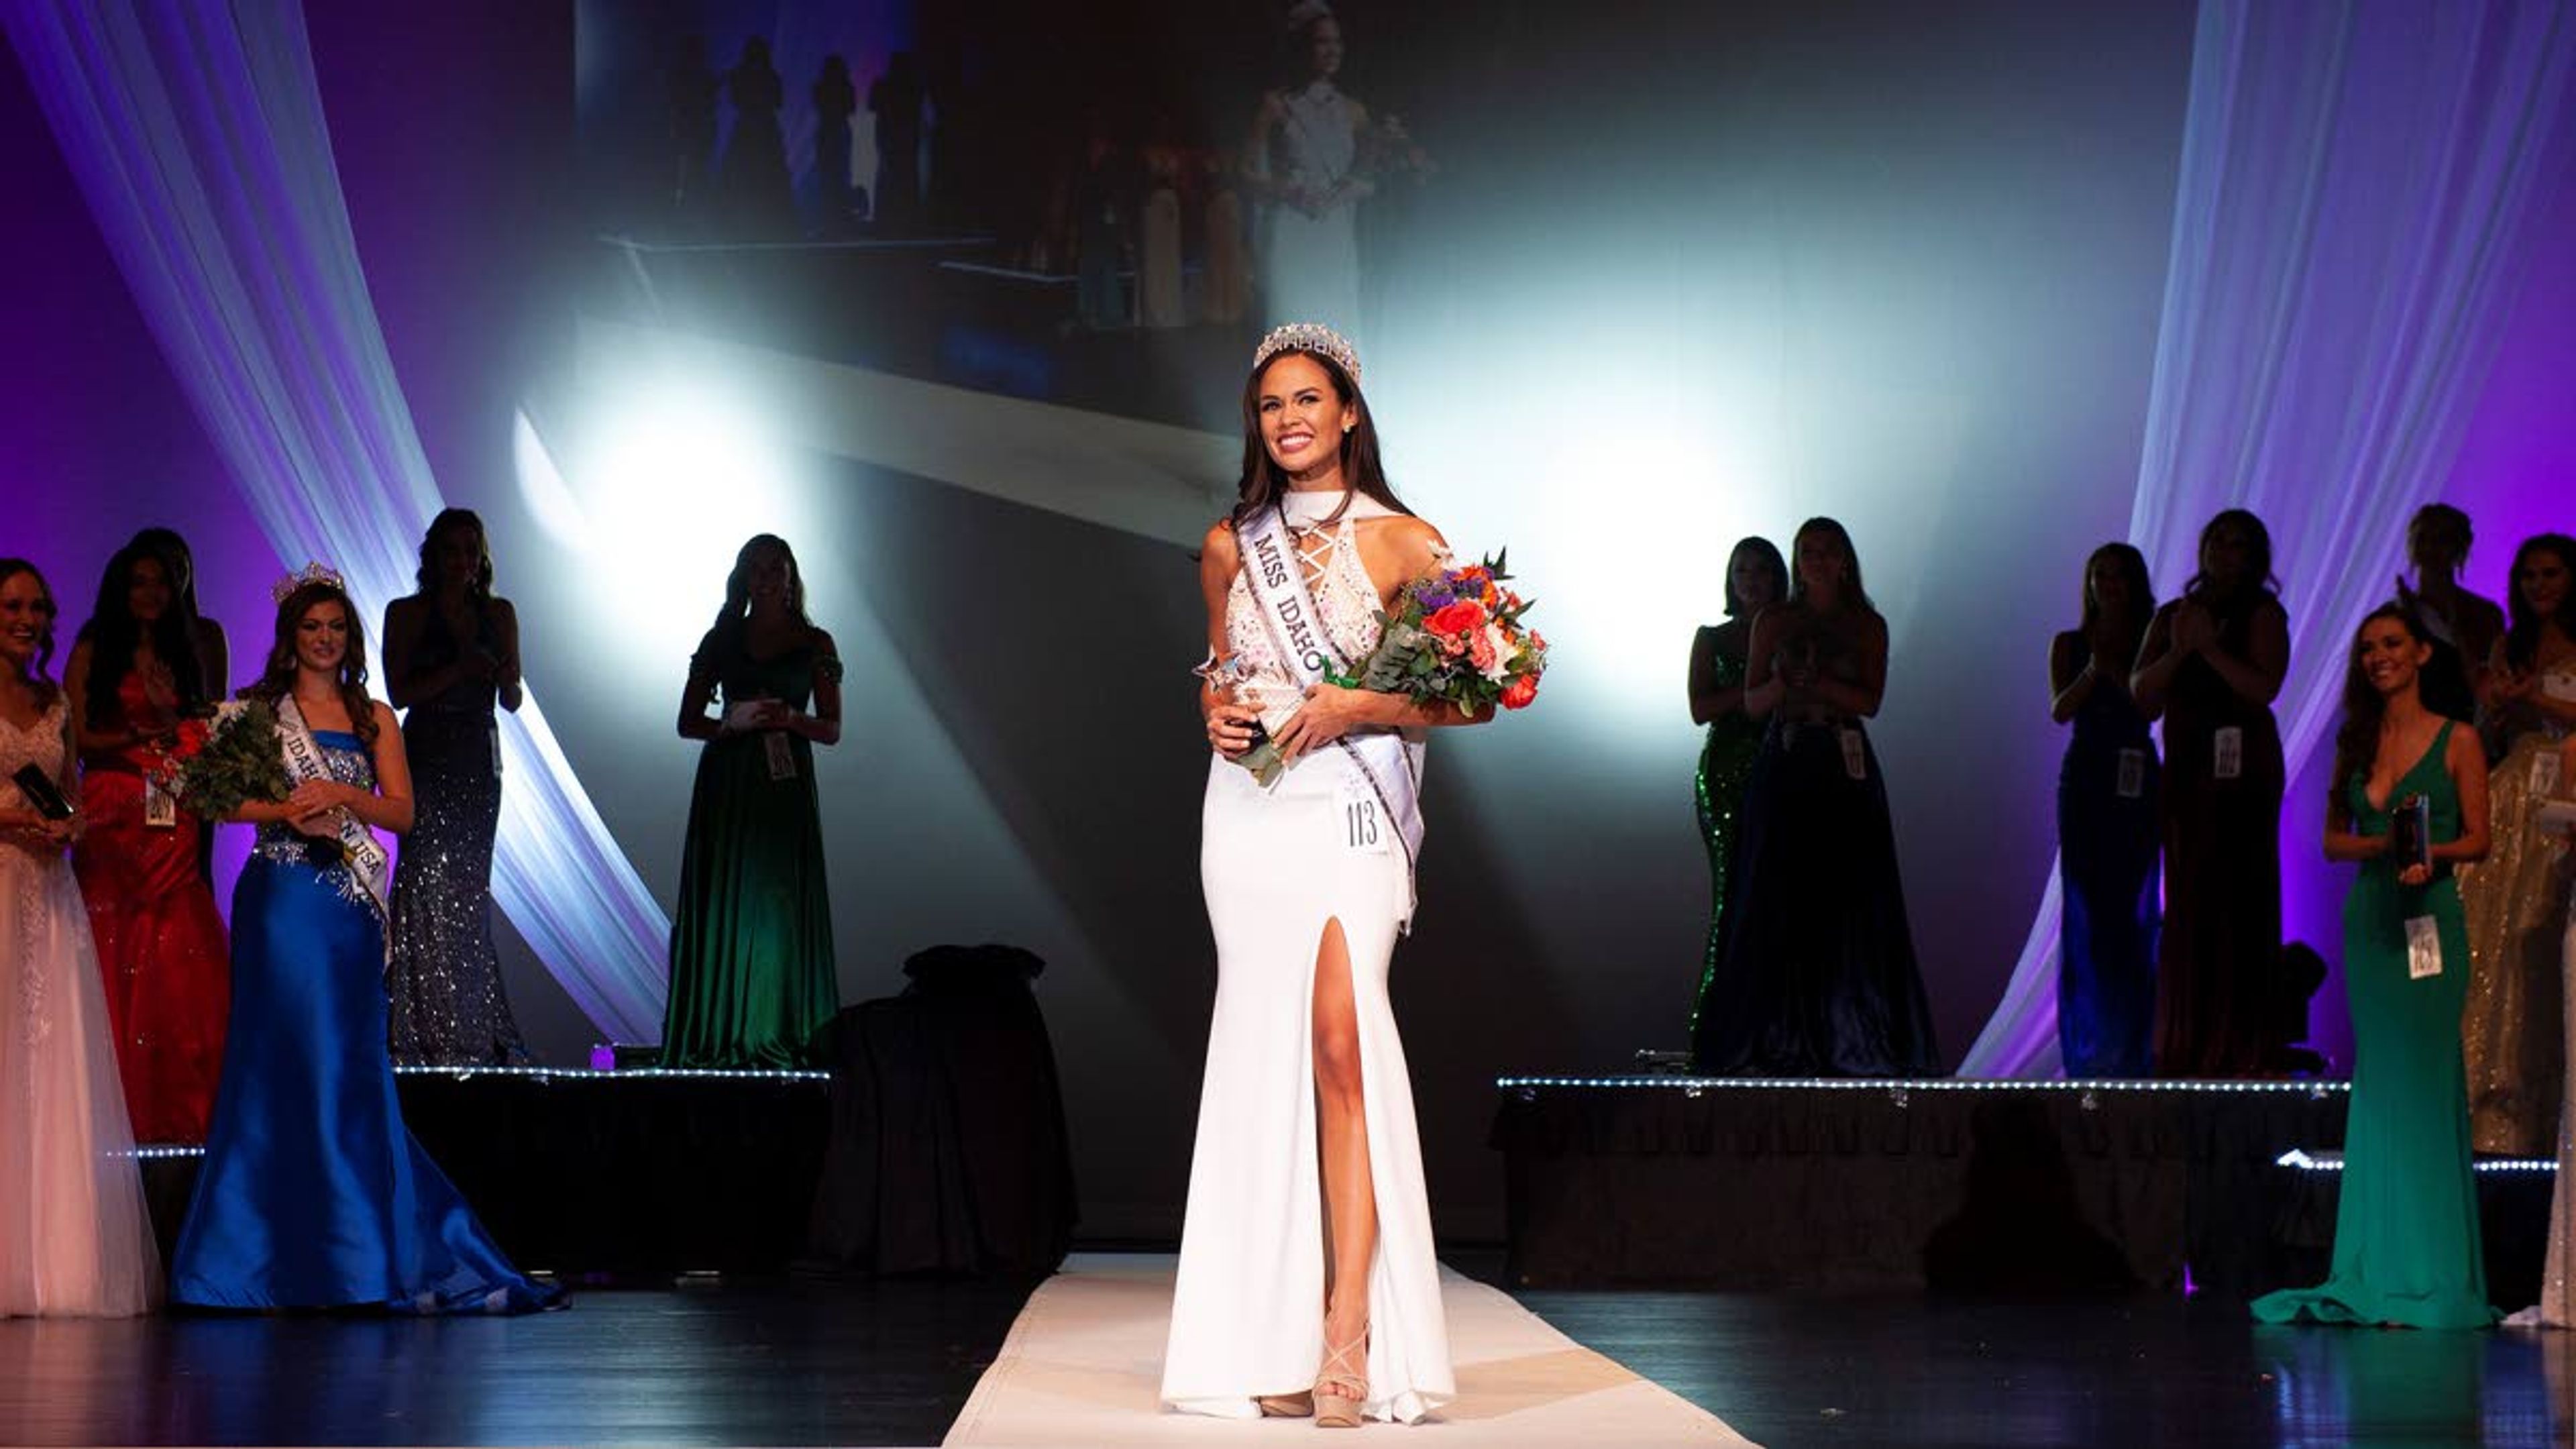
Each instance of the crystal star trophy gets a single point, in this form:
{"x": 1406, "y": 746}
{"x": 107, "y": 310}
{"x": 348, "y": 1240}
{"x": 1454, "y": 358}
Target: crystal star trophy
{"x": 1235, "y": 684}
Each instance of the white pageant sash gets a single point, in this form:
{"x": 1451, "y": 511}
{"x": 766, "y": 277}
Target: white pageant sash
{"x": 366, "y": 855}
{"x": 1384, "y": 762}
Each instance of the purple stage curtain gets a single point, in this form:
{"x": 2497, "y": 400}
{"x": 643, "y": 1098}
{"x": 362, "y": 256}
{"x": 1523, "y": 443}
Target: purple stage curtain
{"x": 2352, "y": 220}
{"x": 197, "y": 134}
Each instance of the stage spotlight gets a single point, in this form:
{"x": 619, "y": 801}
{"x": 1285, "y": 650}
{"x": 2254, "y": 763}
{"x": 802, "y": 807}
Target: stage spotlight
{"x": 659, "y": 502}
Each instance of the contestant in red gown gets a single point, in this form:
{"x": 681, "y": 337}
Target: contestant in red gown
{"x": 161, "y": 944}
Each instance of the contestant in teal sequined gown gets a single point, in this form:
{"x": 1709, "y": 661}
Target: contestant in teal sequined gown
{"x": 1756, "y": 577}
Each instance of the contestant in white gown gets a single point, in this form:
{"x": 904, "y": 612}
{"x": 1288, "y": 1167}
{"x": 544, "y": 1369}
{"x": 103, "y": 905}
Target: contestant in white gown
{"x": 74, "y": 1236}
{"x": 1304, "y": 164}
{"x": 2557, "y": 1306}
{"x": 1308, "y": 1281}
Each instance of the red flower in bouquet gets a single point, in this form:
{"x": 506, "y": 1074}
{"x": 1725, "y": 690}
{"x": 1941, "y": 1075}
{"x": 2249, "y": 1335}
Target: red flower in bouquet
{"x": 1456, "y": 620}
{"x": 186, "y": 743}
{"x": 1455, "y": 635}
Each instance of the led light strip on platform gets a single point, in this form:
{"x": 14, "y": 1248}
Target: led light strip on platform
{"x": 1915, "y": 1084}
{"x": 151, "y": 1153}
{"x": 589, "y": 1074}
{"x": 2306, "y": 1161}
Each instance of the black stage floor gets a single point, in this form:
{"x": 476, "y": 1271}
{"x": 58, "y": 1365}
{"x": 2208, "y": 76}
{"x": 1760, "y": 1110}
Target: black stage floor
{"x": 784, "y": 1361}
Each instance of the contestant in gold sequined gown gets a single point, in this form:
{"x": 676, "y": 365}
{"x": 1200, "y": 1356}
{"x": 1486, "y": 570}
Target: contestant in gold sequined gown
{"x": 2516, "y": 900}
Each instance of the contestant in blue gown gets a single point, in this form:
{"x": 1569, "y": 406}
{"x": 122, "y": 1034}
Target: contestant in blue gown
{"x": 313, "y": 1193}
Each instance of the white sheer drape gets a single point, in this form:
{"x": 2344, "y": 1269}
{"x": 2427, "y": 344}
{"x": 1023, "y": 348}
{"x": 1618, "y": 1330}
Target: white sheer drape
{"x": 2350, "y": 226}
{"x": 197, "y": 134}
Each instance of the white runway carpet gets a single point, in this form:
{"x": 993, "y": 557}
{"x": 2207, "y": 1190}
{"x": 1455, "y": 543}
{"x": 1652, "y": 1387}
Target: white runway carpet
{"x": 1082, "y": 1363}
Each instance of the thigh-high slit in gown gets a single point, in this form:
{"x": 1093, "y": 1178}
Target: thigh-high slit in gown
{"x": 1278, "y": 868}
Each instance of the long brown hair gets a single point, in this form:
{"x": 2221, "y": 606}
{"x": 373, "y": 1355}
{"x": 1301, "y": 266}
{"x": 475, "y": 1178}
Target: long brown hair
{"x": 113, "y": 634}
{"x": 10, "y": 568}
{"x": 2357, "y": 738}
{"x": 1264, "y": 480}
{"x": 2142, "y": 593}
{"x": 2523, "y": 626}
{"x": 277, "y": 676}
{"x": 1834, "y": 530}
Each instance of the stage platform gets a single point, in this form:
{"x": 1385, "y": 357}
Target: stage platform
{"x": 629, "y": 1175}
{"x": 1953, "y": 1184}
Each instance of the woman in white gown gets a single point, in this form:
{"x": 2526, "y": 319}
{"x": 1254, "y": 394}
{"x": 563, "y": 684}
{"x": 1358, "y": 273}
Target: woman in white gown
{"x": 74, "y": 1237}
{"x": 1304, "y": 165}
{"x": 1308, "y": 1281}
{"x": 2557, "y": 1306}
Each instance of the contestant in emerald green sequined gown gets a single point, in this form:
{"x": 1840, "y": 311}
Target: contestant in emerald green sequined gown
{"x": 1756, "y": 577}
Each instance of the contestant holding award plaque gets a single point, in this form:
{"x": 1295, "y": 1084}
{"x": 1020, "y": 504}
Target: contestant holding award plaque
{"x": 752, "y": 976}
{"x": 135, "y": 673}
{"x": 2408, "y": 804}
{"x": 2212, "y": 664}
{"x": 74, "y": 1236}
{"x": 1338, "y": 630}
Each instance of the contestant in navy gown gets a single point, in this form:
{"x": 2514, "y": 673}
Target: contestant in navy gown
{"x": 1816, "y": 974}
{"x": 313, "y": 1194}
{"x": 2108, "y": 837}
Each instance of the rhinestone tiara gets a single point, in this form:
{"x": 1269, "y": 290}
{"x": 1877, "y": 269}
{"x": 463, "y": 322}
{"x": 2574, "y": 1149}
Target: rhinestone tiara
{"x": 311, "y": 573}
{"x": 1312, "y": 337}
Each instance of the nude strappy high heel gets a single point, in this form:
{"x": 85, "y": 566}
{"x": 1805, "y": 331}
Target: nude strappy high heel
{"x": 1340, "y": 1389}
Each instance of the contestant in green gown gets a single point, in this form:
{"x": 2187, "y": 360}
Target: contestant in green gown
{"x": 1756, "y": 577}
{"x": 752, "y": 976}
{"x": 2406, "y": 1245}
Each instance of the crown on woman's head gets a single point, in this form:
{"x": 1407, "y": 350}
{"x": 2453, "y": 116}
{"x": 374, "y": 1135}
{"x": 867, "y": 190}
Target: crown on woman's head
{"x": 311, "y": 573}
{"x": 1312, "y": 337}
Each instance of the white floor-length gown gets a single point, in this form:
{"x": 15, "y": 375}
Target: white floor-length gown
{"x": 1248, "y": 1307}
{"x": 1310, "y": 263}
{"x": 2557, "y": 1306}
{"x": 75, "y": 1240}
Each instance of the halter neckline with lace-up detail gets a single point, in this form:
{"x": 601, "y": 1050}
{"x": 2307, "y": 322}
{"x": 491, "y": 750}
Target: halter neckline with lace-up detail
{"x": 1328, "y": 554}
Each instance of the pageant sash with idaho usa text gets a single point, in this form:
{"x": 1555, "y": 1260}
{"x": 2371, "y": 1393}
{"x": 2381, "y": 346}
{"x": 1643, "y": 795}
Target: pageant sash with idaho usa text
{"x": 1383, "y": 762}
{"x": 366, "y": 856}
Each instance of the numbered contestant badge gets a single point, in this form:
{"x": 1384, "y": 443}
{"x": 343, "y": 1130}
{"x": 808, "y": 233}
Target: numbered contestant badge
{"x": 2133, "y": 774}
{"x": 1365, "y": 828}
{"x": 2423, "y": 948}
{"x": 782, "y": 758}
{"x": 1855, "y": 753}
{"x": 2227, "y": 753}
{"x": 160, "y": 807}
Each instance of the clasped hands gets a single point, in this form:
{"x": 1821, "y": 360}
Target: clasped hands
{"x": 1329, "y": 712}
{"x": 313, "y": 807}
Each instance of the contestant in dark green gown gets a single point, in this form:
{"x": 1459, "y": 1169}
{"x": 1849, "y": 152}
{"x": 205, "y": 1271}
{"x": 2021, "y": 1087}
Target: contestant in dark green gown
{"x": 2406, "y": 1245}
{"x": 1756, "y": 577}
{"x": 752, "y": 976}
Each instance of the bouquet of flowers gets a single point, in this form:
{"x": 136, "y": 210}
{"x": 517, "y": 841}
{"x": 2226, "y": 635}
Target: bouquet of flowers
{"x": 1456, "y": 635}
{"x": 225, "y": 762}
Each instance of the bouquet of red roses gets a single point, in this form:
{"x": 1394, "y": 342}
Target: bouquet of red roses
{"x": 1456, "y": 636}
{"x": 224, "y": 762}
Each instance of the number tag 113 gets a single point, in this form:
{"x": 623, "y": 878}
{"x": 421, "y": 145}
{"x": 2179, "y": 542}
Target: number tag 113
{"x": 1364, "y": 824}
